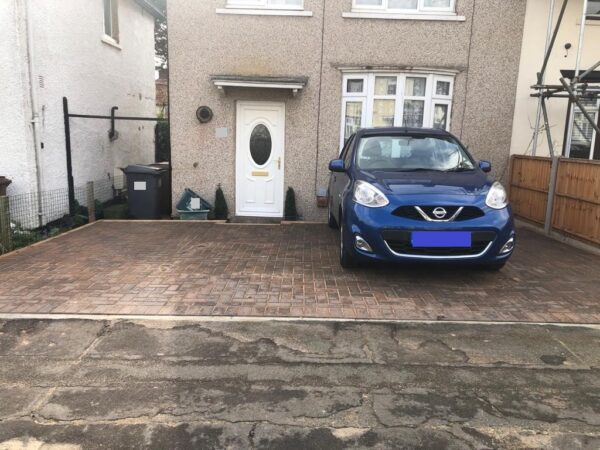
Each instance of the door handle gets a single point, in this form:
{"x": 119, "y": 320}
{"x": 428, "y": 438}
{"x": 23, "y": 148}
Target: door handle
{"x": 279, "y": 163}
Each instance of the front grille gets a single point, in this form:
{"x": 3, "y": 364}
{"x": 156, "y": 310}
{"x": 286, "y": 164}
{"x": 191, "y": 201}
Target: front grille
{"x": 467, "y": 213}
{"x": 400, "y": 242}
{"x": 408, "y": 212}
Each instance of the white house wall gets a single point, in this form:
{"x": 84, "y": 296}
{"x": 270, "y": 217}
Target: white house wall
{"x": 532, "y": 56}
{"x": 16, "y": 144}
{"x": 72, "y": 60}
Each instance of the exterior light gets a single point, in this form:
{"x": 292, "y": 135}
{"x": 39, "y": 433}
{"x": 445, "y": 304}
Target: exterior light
{"x": 361, "y": 244}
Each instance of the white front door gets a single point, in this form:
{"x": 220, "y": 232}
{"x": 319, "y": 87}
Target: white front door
{"x": 260, "y": 139}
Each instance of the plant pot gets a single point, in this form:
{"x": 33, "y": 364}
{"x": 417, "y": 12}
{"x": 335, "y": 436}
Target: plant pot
{"x": 322, "y": 202}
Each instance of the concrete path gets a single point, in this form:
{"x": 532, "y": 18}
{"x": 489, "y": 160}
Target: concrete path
{"x": 73, "y": 384}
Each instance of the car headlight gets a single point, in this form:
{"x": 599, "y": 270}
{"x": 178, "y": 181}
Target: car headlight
{"x": 497, "y": 197}
{"x": 368, "y": 195}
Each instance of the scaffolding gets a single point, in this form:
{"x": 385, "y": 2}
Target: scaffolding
{"x": 575, "y": 88}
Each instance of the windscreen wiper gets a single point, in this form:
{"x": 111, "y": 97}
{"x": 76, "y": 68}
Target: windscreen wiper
{"x": 420, "y": 169}
{"x": 460, "y": 169}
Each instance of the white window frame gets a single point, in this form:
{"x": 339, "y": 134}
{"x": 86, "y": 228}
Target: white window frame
{"x": 368, "y": 97}
{"x": 421, "y": 8}
{"x": 439, "y": 99}
{"x": 362, "y": 77}
{"x": 574, "y": 109}
{"x": 261, "y": 4}
{"x": 345, "y": 101}
{"x": 113, "y": 6}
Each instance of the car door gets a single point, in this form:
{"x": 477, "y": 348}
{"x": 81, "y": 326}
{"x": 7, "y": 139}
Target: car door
{"x": 339, "y": 180}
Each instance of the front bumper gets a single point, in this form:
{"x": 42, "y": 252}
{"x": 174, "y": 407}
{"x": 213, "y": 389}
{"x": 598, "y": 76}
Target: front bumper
{"x": 389, "y": 236}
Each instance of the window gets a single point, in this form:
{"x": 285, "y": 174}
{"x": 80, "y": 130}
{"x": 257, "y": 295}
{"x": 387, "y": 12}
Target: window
{"x": 404, "y": 6}
{"x": 395, "y": 100}
{"x": 266, "y": 4}
{"x": 111, "y": 19}
{"x": 260, "y": 145}
{"x": 585, "y": 143}
{"x": 593, "y": 9}
{"x": 347, "y": 152}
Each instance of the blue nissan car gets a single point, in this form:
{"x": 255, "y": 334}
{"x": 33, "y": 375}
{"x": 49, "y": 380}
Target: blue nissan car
{"x": 417, "y": 195}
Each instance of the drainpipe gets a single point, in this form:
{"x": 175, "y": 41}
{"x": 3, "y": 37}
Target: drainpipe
{"x": 35, "y": 117}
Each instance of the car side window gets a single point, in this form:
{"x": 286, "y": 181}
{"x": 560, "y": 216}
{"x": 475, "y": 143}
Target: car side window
{"x": 347, "y": 152}
{"x": 345, "y": 147}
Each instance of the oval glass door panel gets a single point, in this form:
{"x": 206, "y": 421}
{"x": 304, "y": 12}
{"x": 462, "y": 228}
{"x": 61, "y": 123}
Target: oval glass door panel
{"x": 260, "y": 145}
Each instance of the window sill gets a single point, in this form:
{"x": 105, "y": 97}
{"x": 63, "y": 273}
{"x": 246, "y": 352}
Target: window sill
{"x": 110, "y": 41}
{"x": 394, "y": 16}
{"x": 265, "y": 12}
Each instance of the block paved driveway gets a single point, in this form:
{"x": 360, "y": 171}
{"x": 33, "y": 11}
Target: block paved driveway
{"x": 182, "y": 268}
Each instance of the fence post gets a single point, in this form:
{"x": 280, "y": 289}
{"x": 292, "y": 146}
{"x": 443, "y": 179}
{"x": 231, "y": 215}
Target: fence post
{"x": 5, "y": 231}
{"x": 91, "y": 203}
{"x": 551, "y": 194}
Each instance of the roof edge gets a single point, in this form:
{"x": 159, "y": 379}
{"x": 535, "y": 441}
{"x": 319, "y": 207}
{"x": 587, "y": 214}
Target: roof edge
{"x": 151, "y": 8}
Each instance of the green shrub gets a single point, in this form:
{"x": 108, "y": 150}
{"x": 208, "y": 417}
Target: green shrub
{"x": 290, "y": 211}
{"x": 116, "y": 212}
{"x": 221, "y": 209}
{"x": 99, "y": 209}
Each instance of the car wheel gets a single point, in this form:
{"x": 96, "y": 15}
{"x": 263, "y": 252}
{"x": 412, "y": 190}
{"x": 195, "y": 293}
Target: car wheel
{"x": 495, "y": 266}
{"x": 330, "y": 219}
{"x": 347, "y": 258}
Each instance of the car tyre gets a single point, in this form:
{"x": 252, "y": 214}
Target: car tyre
{"x": 347, "y": 258}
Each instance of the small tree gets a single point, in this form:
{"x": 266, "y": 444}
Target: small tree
{"x": 290, "y": 213}
{"x": 221, "y": 210}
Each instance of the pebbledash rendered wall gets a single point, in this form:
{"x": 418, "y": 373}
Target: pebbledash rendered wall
{"x": 484, "y": 50}
{"x": 72, "y": 60}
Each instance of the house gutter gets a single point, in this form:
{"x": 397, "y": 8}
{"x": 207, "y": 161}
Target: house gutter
{"x": 35, "y": 117}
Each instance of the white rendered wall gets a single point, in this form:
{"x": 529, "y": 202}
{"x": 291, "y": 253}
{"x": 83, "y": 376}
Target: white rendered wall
{"x": 72, "y": 60}
{"x": 16, "y": 143}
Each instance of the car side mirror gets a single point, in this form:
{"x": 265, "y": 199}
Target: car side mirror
{"x": 337, "y": 165}
{"x": 485, "y": 166}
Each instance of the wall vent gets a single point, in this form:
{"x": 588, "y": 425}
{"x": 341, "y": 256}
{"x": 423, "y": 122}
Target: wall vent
{"x": 42, "y": 81}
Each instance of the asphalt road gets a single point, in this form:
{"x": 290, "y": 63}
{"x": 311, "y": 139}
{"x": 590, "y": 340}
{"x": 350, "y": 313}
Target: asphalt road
{"x": 71, "y": 384}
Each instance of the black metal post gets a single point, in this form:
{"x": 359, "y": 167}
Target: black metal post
{"x": 95, "y": 116}
{"x": 112, "y": 132}
{"x": 70, "y": 182}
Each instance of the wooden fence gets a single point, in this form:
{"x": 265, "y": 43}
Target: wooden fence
{"x": 572, "y": 186}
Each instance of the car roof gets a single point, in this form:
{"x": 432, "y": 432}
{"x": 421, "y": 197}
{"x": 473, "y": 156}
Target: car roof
{"x": 401, "y": 131}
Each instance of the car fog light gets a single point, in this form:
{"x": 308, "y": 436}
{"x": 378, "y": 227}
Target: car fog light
{"x": 508, "y": 247}
{"x": 363, "y": 245}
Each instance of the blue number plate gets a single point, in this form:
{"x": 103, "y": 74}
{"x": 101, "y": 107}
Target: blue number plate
{"x": 441, "y": 239}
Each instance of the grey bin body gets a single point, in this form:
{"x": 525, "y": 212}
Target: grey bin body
{"x": 148, "y": 190}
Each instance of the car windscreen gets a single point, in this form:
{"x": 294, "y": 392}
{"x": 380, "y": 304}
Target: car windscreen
{"x": 412, "y": 153}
